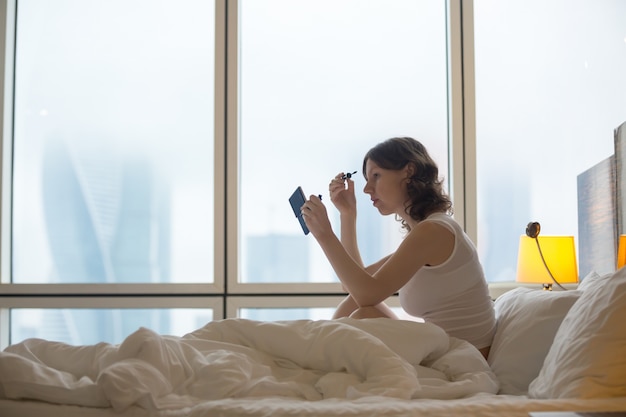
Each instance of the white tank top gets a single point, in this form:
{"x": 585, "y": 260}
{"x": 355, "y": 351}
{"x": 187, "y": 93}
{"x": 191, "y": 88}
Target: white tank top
{"x": 453, "y": 295}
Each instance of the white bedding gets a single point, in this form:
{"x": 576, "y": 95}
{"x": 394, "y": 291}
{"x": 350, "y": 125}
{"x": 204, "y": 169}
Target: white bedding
{"x": 483, "y": 405}
{"x": 303, "y": 362}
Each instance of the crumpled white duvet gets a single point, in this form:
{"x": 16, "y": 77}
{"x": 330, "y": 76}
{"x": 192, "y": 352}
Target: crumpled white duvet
{"x": 236, "y": 358}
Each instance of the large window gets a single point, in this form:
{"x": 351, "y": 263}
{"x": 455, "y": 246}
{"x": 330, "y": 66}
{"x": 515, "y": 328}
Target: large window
{"x": 317, "y": 90}
{"x": 113, "y": 142}
{"x": 149, "y": 148}
{"x": 550, "y": 90}
{"x": 113, "y": 163}
{"x": 120, "y": 209}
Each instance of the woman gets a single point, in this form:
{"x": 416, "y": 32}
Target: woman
{"x": 435, "y": 269}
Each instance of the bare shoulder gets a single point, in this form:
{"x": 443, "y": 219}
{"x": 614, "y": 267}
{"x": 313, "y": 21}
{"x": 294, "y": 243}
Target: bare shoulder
{"x": 433, "y": 240}
{"x": 431, "y": 230}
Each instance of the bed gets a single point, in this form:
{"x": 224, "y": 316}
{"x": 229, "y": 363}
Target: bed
{"x": 552, "y": 351}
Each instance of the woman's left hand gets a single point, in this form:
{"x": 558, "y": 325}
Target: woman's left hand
{"x": 316, "y": 217}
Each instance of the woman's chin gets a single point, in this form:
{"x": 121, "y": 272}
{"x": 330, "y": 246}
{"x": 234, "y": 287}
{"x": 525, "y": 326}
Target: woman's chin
{"x": 381, "y": 209}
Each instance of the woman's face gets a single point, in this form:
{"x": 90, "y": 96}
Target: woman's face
{"x": 387, "y": 188}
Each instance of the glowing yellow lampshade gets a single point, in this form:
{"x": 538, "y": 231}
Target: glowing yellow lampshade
{"x": 559, "y": 252}
{"x": 621, "y": 252}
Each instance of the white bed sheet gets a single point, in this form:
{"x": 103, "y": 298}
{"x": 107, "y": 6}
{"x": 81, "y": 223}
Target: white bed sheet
{"x": 484, "y": 405}
{"x": 238, "y": 358}
{"x": 328, "y": 346}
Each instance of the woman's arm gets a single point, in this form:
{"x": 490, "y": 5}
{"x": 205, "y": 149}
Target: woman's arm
{"x": 348, "y": 237}
{"x": 342, "y": 195}
{"x": 426, "y": 244}
{"x": 373, "y": 268}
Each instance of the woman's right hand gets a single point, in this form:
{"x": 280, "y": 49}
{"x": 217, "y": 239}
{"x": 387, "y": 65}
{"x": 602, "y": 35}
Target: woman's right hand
{"x": 342, "y": 194}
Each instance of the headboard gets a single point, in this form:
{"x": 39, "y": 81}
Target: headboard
{"x": 602, "y": 209}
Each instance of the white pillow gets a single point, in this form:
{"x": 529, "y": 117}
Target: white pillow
{"x": 527, "y": 321}
{"x": 592, "y": 279}
{"x": 588, "y": 356}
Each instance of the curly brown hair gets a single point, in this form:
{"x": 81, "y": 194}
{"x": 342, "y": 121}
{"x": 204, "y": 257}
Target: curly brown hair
{"x": 425, "y": 188}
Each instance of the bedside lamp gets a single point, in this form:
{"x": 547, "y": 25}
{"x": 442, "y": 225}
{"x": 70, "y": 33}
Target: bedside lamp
{"x": 621, "y": 252}
{"x": 559, "y": 254}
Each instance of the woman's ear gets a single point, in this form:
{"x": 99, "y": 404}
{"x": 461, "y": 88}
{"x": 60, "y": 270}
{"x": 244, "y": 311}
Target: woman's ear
{"x": 409, "y": 169}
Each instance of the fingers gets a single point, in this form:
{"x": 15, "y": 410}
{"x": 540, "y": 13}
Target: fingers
{"x": 313, "y": 202}
{"x": 339, "y": 182}
{"x": 315, "y": 216}
{"x": 305, "y": 211}
{"x": 335, "y": 182}
{"x": 350, "y": 185}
